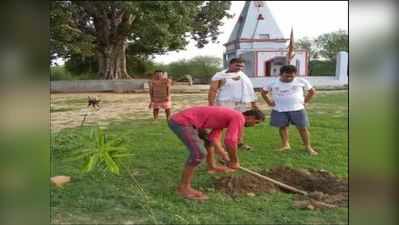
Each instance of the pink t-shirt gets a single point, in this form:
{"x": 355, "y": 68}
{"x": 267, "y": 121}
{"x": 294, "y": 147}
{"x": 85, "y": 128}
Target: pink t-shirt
{"x": 215, "y": 117}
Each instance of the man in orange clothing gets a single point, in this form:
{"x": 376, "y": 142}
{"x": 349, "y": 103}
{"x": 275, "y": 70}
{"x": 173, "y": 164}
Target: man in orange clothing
{"x": 160, "y": 94}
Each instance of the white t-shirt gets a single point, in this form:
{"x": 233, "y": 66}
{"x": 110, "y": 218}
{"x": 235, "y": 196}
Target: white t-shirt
{"x": 236, "y": 90}
{"x": 288, "y": 96}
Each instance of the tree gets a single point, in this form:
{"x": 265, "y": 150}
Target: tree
{"x": 66, "y": 41}
{"x": 78, "y": 64}
{"x": 331, "y": 43}
{"x": 202, "y": 67}
{"x": 205, "y": 66}
{"x": 141, "y": 66}
{"x": 309, "y": 45}
{"x": 109, "y": 29}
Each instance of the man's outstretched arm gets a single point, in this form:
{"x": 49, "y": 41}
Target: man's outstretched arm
{"x": 213, "y": 90}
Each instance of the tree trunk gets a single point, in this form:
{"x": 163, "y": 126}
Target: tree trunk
{"x": 112, "y": 26}
{"x": 112, "y": 61}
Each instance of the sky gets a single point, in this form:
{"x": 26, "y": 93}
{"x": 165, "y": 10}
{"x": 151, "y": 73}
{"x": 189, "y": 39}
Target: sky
{"x": 308, "y": 18}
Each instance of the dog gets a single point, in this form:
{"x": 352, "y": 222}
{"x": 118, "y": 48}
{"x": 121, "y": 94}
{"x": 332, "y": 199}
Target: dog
{"x": 94, "y": 102}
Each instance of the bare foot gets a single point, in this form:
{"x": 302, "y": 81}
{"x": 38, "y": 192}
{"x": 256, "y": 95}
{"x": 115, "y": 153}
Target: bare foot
{"x": 191, "y": 194}
{"x": 198, "y": 193}
{"x": 189, "y": 190}
{"x": 233, "y": 166}
{"x": 225, "y": 157}
{"x": 284, "y": 148}
{"x": 219, "y": 169}
{"x": 311, "y": 151}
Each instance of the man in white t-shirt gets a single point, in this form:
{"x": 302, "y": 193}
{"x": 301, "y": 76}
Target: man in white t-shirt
{"x": 233, "y": 89}
{"x": 288, "y": 102}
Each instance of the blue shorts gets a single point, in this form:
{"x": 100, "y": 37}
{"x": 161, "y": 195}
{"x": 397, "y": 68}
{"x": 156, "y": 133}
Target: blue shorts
{"x": 191, "y": 138}
{"x": 282, "y": 119}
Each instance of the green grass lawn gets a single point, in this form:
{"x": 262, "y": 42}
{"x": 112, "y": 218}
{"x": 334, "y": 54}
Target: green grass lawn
{"x": 144, "y": 193}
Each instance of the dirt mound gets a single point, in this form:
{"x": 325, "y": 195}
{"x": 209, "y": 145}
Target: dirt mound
{"x": 247, "y": 184}
{"x": 309, "y": 180}
{"x": 325, "y": 189}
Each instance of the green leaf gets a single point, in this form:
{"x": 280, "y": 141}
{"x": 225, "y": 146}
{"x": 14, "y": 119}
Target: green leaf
{"x": 77, "y": 157}
{"x": 92, "y": 163}
{"x": 85, "y": 167}
{"x": 114, "y": 142}
{"x": 116, "y": 149}
{"x": 101, "y": 138}
{"x": 86, "y": 150}
{"x": 121, "y": 155}
{"x": 111, "y": 164}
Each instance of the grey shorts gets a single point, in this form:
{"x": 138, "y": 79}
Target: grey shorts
{"x": 282, "y": 119}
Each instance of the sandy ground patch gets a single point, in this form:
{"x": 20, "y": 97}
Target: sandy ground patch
{"x": 66, "y": 110}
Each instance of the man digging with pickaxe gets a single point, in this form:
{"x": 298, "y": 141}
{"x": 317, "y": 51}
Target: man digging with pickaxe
{"x": 189, "y": 123}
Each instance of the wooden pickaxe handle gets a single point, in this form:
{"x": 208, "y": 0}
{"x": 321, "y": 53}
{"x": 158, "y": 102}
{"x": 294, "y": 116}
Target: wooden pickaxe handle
{"x": 285, "y": 186}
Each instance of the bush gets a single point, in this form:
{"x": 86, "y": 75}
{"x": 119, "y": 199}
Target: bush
{"x": 200, "y": 68}
{"x": 79, "y": 65}
{"x": 139, "y": 67}
{"x": 322, "y": 68}
{"x": 60, "y": 73}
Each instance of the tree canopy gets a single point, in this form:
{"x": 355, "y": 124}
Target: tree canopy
{"x": 110, "y": 29}
{"x": 331, "y": 43}
{"x": 309, "y": 45}
{"x": 325, "y": 46}
{"x": 202, "y": 67}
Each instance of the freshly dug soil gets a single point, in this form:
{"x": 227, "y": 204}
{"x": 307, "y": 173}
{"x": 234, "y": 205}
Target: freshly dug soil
{"x": 238, "y": 185}
{"x": 325, "y": 189}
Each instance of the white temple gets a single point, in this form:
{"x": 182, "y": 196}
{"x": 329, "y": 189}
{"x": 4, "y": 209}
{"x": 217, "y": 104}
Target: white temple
{"x": 257, "y": 39}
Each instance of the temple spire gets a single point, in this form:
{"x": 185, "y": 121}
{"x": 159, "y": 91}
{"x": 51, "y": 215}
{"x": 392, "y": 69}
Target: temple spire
{"x": 256, "y": 22}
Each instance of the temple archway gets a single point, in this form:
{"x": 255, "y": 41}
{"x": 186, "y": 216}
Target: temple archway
{"x": 272, "y": 66}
